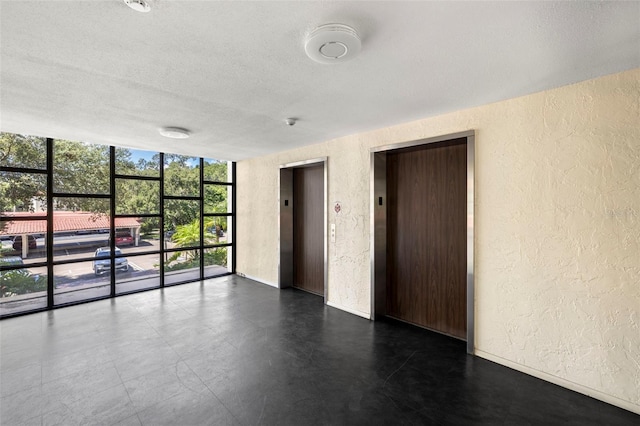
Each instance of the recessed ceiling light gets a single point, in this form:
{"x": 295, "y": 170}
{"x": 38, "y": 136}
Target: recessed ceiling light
{"x": 138, "y": 5}
{"x": 174, "y": 132}
{"x": 333, "y": 43}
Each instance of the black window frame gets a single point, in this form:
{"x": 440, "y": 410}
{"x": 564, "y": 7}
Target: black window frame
{"x": 50, "y": 262}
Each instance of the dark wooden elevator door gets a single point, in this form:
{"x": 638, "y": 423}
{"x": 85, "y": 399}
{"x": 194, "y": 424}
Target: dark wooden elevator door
{"x": 308, "y": 235}
{"x": 426, "y": 236}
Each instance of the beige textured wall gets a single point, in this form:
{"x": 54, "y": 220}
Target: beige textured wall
{"x": 557, "y": 229}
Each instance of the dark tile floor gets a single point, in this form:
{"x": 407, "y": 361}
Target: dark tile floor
{"x": 231, "y": 351}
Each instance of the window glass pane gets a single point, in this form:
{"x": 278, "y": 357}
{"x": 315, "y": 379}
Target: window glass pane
{"x": 182, "y": 266}
{"x": 143, "y": 272}
{"x": 23, "y": 289}
{"x": 182, "y": 226}
{"x": 23, "y": 192}
{"x": 23, "y": 151}
{"x": 150, "y": 235}
{"x": 215, "y": 198}
{"x": 74, "y": 282}
{"x": 135, "y": 162}
{"x": 137, "y": 196}
{"x": 68, "y": 208}
{"x": 181, "y": 175}
{"x": 216, "y": 170}
{"x": 80, "y": 168}
{"x": 24, "y": 241}
{"x": 136, "y": 235}
{"x": 216, "y": 261}
{"x": 216, "y": 230}
{"x": 78, "y": 233}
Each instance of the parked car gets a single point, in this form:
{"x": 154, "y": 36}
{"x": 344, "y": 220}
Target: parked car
{"x": 102, "y": 261}
{"x": 17, "y": 242}
{"x": 124, "y": 238}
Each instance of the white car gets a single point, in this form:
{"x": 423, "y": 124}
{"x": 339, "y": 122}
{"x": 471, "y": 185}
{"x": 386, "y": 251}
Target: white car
{"x": 102, "y": 262}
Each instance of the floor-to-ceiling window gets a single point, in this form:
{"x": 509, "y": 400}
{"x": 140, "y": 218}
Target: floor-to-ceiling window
{"x": 217, "y": 208}
{"x": 137, "y": 188}
{"x": 24, "y": 186}
{"x": 82, "y": 221}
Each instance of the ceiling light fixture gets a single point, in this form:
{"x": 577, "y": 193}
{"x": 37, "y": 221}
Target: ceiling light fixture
{"x": 333, "y": 43}
{"x": 138, "y": 5}
{"x": 174, "y": 132}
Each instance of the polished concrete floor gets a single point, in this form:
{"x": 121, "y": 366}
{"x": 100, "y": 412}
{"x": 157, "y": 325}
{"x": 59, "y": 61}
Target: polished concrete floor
{"x": 231, "y": 351}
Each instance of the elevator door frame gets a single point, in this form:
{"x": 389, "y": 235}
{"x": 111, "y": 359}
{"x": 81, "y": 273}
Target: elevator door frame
{"x": 285, "y": 222}
{"x": 378, "y": 215}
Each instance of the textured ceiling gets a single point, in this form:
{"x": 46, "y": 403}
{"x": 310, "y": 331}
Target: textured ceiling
{"x": 232, "y": 71}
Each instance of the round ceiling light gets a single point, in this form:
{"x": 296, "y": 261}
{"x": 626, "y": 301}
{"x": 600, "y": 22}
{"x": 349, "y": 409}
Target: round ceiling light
{"x": 332, "y": 43}
{"x": 174, "y": 132}
{"x": 138, "y": 5}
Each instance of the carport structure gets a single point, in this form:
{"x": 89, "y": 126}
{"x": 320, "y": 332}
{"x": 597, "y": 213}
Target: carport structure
{"x": 64, "y": 221}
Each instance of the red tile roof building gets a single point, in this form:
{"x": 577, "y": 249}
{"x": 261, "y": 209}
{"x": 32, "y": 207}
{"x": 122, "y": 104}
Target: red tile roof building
{"x": 62, "y": 221}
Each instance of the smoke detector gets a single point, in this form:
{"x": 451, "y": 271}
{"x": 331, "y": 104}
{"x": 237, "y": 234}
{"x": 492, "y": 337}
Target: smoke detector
{"x": 174, "y": 132}
{"x": 138, "y": 5}
{"x": 332, "y": 43}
